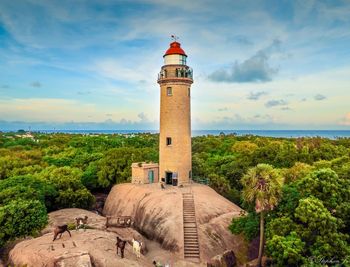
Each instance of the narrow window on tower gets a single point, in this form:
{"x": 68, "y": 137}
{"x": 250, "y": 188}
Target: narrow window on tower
{"x": 189, "y": 91}
{"x": 169, "y": 91}
{"x": 168, "y": 141}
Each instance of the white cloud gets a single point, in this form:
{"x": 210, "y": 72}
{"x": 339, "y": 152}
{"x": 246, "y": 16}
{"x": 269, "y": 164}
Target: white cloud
{"x": 346, "y": 120}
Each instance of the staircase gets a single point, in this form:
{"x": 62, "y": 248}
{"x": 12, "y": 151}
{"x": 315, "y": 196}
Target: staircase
{"x": 191, "y": 244}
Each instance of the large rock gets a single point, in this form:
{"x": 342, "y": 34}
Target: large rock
{"x": 158, "y": 215}
{"x": 90, "y": 248}
{"x": 78, "y": 259}
{"x": 67, "y": 216}
{"x": 128, "y": 234}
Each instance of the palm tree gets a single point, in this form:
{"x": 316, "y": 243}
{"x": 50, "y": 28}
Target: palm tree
{"x": 262, "y": 185}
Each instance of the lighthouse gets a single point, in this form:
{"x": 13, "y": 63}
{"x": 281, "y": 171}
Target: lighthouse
{"x": 175, "y": 79}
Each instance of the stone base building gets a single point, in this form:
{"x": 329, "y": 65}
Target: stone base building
{"x": 144, "y": 173}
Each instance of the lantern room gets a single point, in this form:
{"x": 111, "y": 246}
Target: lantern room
{"x": 175, "y": 55}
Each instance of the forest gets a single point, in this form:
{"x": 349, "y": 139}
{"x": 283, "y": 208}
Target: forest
{"x": 296, "y": 191}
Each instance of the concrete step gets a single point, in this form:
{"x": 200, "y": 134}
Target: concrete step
{"x": 192, "y": 257}
{"x": 194, "y": 243}
{"x": 191, "y": 237}
{"x": 191, "y": 246}
{"x": 190, "y": 250}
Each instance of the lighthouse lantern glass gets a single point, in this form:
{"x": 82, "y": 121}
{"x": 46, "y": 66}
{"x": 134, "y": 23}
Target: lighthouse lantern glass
{"x": 174, "y": 59}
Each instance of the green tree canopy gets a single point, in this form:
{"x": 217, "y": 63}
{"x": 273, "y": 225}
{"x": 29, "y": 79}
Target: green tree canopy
{"x": 20, "y": 218}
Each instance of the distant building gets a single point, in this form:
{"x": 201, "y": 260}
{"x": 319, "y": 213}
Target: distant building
{"x": 175, "y": 160}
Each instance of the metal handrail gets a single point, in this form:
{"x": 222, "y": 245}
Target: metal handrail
{"x": 176, "y": 73}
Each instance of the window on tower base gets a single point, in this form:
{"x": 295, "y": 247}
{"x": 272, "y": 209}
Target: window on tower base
{"x": 168, "y": 141}
{"x": 169, "y": 91}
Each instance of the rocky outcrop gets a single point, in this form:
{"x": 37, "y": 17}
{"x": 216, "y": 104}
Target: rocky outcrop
{"x": 90, "y": 248}
{"x": 78, "y": 259}
{"x": 67, "y": 216}
{"x": 158, "y": 215}
{"x": 128, "y": 234}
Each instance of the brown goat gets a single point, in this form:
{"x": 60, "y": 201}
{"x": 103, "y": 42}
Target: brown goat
{"x": 120, "y": 244}
{"x": 59, "y": 230}
{"x": 81, "y": 222}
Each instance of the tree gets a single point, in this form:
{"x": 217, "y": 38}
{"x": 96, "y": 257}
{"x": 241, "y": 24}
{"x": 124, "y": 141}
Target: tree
{"x": 297, "y": 171}
{"x": 286, "y": 250}
{"x": 262, "y": 186}
{"x": 71, "y": 191}
{"x": 248, "y": 225}
{"x": 327, "y": 186}
{"x": 20, "y": 218}
{"x": 27, "y": 187}
{"x": 314, "y": 210}
{"x": 115, "y": 167}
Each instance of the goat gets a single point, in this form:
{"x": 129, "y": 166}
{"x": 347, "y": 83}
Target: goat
{"x": 162, "y": 185}
{"x": 120, "y": 244}
{"x": 59, "y": 230}
{"x": 81, "y": 222}
{"x": 136, "y": 247}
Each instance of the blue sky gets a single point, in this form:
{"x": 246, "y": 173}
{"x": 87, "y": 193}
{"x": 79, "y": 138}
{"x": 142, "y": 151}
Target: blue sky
{"x": 93, "y": 64}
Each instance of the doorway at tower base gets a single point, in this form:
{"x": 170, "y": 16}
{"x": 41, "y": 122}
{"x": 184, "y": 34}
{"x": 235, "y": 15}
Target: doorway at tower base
{"x": 144, "y": 173}
{"x": 148, "y": 173}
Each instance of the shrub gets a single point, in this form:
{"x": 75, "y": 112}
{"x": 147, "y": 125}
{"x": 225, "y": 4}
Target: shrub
{"x": 248, "y": 225}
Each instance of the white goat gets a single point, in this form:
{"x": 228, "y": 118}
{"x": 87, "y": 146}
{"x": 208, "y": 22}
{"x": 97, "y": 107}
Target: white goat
{"x": 136, "y": 247}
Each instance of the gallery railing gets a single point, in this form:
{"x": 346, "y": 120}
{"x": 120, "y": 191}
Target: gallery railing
{"x": 176, "y": 73}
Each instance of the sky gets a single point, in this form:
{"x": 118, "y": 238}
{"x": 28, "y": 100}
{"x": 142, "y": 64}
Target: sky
{"x": 93, "y": 64}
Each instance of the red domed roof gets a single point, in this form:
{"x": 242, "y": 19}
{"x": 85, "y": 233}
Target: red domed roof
{"x": 175, "y": 48}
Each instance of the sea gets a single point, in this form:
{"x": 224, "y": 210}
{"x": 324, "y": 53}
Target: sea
{"x": 331, "y": 134}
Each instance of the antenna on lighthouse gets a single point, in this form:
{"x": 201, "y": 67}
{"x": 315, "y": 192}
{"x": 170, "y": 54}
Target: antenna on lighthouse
{"x": 174, "y": 38}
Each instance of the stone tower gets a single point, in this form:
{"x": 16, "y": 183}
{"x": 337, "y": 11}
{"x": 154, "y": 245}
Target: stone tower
{"x": 175, "y": 79}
